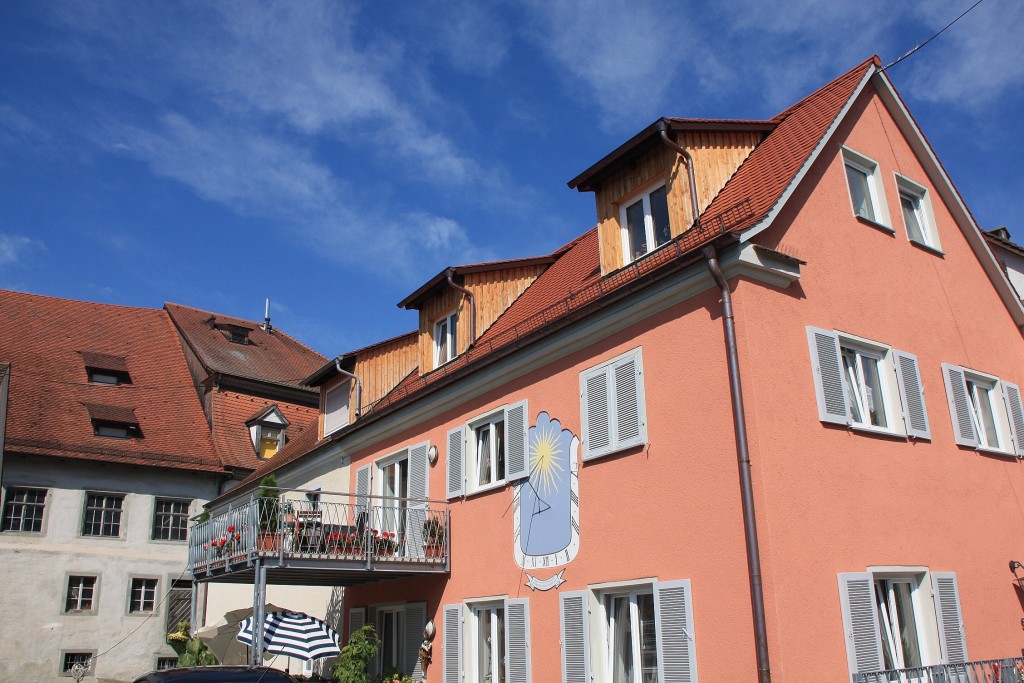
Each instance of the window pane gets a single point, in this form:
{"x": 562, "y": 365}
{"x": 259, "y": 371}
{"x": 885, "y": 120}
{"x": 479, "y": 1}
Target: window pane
{"x": 620, "y": 636}
{"x": 483, "y": 454}
{"x": 984, "y": 415}
{"x": 102, "y": 515}
{"x": 636, "y": 231}
{"x": 80, "y": 593}
{"x": 904, "y": 608}
{"x": 648, "y": 638}
{"x": 873, "y": 392}
{"x": 912, "y": 216}
{"x": 659, "y": 216}
{"x": 170, "y": 520}
{"x": 854, "y": 395}
{"x": 859, "y": 192}
{"x": 23, "y": 510}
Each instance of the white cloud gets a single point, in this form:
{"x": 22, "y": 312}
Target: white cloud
{"x": 13, "y": 247}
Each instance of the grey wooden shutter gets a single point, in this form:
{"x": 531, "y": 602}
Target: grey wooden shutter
{"x": 454, "y": 463}
{"x": 363, "y": 481}
{"x": 959, "y": 405}
{"x": 517, "y": 451}
{"x": 628, "y": 392}
{"x": 452, "y": 654}
{"x": 946, "y": 594}
{"x": 596, "y": 404}
{"x": 673, "y": 623}
{"x": 860, "y": 622}
{"x": 416, "y": 513}
{"x": 575, "y": 633}
{"x": 915, "y": 415}
{"x": 517, "y": 641}
{"x": 373, "y": 666}
{"x": 1014, "y": 411}
{"x": 829, "y": 382}
{"x": 356, "y": 619}
{"x": 415, "y": 620}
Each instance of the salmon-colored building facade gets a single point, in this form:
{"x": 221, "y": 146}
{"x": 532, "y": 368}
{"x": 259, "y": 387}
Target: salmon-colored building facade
{"x": 813, "y": 475}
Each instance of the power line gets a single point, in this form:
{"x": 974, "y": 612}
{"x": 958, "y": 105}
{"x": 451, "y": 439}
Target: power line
{"x": 936, "y": 35}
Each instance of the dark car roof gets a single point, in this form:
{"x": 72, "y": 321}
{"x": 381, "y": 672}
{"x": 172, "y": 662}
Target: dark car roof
{"x": 217, "y": 674}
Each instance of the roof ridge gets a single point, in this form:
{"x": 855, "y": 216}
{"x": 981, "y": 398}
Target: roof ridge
{"x": 79, "y": 301}
{"x": 873, "y": 59}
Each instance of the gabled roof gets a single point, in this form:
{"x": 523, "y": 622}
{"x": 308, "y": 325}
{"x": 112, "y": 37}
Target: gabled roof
{"x": 233, "y": 412}
{"x": 51, "y": 403}
{"x": 273, "y": 358}
{"x": 328, "y": 369}
{"x": 414, "y": 299}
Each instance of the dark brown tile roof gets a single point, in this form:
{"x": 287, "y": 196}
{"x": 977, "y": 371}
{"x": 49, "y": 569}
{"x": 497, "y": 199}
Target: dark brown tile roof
{"x": 48, "y": 413}
{"x": 274, "y": 358}
{"x": 104, "y": 361}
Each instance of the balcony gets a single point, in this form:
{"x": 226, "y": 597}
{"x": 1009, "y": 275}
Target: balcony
{"x": 320, "y": 538}
{"x": 1010, "y": 670}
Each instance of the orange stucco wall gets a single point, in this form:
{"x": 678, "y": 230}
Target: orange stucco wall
{"x": 828, "y": 499}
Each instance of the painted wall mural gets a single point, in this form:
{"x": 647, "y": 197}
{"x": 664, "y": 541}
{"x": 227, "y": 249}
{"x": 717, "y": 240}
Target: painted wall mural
{"x": 547, "y": 503}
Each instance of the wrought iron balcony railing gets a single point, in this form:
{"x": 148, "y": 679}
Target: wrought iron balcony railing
{"x": 339, "y": 529}
{"x": 1010, "y": 670}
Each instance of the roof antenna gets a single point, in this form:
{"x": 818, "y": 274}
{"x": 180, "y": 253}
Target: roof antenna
{"x": 266, "y": 319}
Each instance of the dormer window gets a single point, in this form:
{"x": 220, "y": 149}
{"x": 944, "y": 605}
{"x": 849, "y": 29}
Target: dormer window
{"x": 445, "y": 338}
{"x": 113, "y": 422}
{"x": 267, "y": 430}
{"x": 103, "y": 368}
{"x": 236, "y": 334}
{"x": 645, "y": 224}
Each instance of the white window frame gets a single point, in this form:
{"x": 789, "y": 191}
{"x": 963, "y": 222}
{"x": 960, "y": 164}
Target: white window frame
{"x": 490, "y": 423}
{"x": 337, "y": 411}
{"x": 399, "y": 627}
{"x": 905, "y": 187}
{"x": 965, "y": 399}
{"x": 585, "y": 635}
{"x": 838, "y": 389}
{"x": 608, "y": 408}
{"x": 446, "y": 342}
{"x": 607, "y": 634}
{"x": 155, "y": 599}
{"x": 871, "y": 644}
{"x": 644, "y": 198}
{"x": 460, "y": 640}
{"x": 497, "y": 647}
{"x": 875, "y": 194}
{"x": 462, "y": 476}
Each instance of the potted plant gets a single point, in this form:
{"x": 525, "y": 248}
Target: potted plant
{"x": 385, "y": 543}
{"x": 433, "y": 537}
{"x": 268, "y": 502}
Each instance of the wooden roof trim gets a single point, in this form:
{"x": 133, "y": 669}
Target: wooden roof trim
{"x": 414, "y": 299}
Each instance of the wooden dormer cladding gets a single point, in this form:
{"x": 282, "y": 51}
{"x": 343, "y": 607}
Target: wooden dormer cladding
{"x": 716, "y": 156}
{"x": 494, "y": 286}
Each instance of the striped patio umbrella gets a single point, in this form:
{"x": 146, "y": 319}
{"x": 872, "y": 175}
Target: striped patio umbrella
{"x": 293, "y": 634}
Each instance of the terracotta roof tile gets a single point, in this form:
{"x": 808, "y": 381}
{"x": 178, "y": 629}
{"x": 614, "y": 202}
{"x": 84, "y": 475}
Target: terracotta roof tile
{"x": 43, "y": 339}
{"x": 104, "y": 413}
{"x": 104, "y": 361}
{"x": 231, "y": 436}
{"x": 276, "y": 357}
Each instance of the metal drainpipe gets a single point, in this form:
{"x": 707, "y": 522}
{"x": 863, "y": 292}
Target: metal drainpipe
{"x": 739, "y": 420}
{"x": 472, "y": 307}
{"x": 359, "y": 384}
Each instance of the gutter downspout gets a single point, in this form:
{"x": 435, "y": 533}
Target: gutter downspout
{"x": 359, "y": 384}
{"x": 739, "y": 421}
{"x": 472, "y": 306}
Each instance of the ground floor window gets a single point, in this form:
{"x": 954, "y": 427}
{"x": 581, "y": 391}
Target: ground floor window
{"x": 489, "y": 646}
{"x": 391, "y": 631}
{"x": 630, "y": 639}
{"x": 73, "y": 662}
{"x": 487, "y": 642}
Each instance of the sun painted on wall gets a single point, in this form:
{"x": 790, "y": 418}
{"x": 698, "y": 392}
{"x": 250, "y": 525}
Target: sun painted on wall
{"x": 547, "y": 503}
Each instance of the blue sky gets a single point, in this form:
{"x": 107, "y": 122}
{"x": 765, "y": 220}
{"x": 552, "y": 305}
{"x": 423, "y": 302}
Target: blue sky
{"x": 333, "y": 156}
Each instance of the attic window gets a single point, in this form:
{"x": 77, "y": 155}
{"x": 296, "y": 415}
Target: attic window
{"x": 103, "y": 368}
{"x": 113, "y": 422}
{"x": 236, "y": 334}
{"x": 267, "y": 430}
{"x": 645, "y": 224}
{"x": 445, "y": 338}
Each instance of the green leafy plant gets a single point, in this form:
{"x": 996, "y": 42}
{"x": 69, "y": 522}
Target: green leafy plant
{"x": 268, "y": 499}
{"x": 394, "y": 676}
{"x": 433, "y": 531}
{"x": 191, "y": 651}
{"x": 363, "y": 645}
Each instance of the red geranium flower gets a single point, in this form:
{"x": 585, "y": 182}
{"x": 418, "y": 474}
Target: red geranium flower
{"x": 231, "y": 529}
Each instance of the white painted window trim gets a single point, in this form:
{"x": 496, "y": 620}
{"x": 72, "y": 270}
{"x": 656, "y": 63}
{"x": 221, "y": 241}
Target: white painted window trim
{"x": 337, "y": 408}
{"x": 460, "y": 463}
{"x": 449, "y": 350}
{"x": 925, "y": 214}
{"x": 899, "y": 376}
{"x": 471, "y": 465}
{"x": 876, "y": 194}
{"x": 1007, "y": 412}
{"x": 645, "y": 197}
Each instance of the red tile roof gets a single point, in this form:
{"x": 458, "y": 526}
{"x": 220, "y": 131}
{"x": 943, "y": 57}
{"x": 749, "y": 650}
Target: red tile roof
{"x": 43, "y": 339}
{"x": 274, "y": 358}
{"x": 231, "y": 410}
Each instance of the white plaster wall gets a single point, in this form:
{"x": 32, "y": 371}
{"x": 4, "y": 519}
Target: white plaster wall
{"x": 35, "y": 569}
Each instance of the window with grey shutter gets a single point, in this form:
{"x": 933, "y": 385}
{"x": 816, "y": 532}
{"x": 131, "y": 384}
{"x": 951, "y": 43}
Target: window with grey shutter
{"x": 452, "y": 644}
{"x": 356, "y": 619}
{"x": 908, "y": 376}
{"x": 416, "y": 513}
{"x": 946, "y": 594}
{"x": 363, "y": 490}
{"x": 454, "y": 463}
{"x": 575, "y": 633}
{"x": 415, "y": 620}
{"x": 1011, "y": 396}
{"x": 517, "y": 641}
{"x": 860, "y": 622}
{"x": 612, "y": 405}
{"x": 959, "y": 405}
{"x": 517, "y": 455}
{"x": 829, "y": 383}
{"x": 673, "y": 614}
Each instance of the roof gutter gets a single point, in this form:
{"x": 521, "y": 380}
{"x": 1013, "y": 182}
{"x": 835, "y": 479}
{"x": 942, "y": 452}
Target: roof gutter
{"x": 739, "y": 421}
{"x": 472, "y": 306}
{"x": 359, "y": 384}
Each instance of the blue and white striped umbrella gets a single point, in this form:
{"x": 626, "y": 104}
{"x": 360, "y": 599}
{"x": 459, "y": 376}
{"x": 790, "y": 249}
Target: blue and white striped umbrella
{"x": 293, "y": 634}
